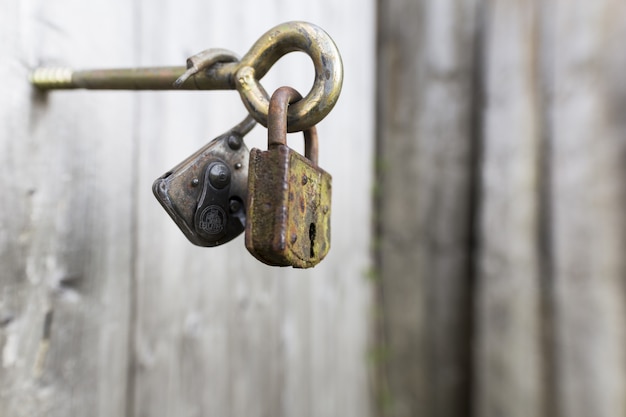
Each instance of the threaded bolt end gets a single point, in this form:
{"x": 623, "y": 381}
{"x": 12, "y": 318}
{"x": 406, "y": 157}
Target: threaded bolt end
{"x": 51, "y": 78}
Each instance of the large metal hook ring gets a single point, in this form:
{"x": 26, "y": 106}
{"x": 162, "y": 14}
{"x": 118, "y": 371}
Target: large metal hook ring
{"x": 279, "y": 41}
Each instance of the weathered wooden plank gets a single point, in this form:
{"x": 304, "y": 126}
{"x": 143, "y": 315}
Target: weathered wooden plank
{"x": 22, "y": 314}
{"x": 217, "y": 332}
{"x": 509, "y": 368}
{"x": 426, "y": 158}
{"x": 589, "y": 228}
{"x": 66, "y": 241}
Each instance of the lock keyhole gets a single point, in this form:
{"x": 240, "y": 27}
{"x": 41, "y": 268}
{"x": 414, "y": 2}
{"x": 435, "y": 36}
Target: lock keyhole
{"x": 312, "y": 239}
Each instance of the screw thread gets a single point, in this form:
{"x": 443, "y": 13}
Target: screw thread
{"x": 53, "y": 77}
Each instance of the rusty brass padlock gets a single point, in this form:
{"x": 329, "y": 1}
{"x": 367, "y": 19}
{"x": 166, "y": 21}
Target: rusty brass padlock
{"x": 288, "y": 208}
{"x": 206, "y": 194}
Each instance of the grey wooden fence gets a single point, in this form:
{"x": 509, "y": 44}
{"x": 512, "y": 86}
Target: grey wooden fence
{"x": 105, "y": 308}
{"x": 478, "y": 152}
{"x": 501, "y": 217}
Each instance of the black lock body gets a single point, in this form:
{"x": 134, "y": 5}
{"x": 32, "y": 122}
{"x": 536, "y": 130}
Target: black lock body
{"x": 205, "y": 194}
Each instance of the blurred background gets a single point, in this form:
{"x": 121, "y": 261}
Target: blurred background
{"x": 477, "y": 265}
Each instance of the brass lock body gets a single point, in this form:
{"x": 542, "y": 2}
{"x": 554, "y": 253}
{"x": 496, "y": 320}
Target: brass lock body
{"x": 206, "y": 194}
{"x": 289, "y": 196}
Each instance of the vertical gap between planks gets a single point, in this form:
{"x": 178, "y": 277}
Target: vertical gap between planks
{"x": 134, "y": 228}
{"x": 544, "y": 86}
{"x": 380, "y": 376}
{"x": 475, "y": 192}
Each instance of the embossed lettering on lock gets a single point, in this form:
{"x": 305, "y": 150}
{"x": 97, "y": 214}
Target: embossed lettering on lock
{"x": 205, "y": 194}
{"x": 288, "y": 222}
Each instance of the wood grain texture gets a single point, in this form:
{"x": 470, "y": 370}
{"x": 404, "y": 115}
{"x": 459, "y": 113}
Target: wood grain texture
{"x": 425, "y": 158}
{"x": 509, "y": 368}
{"x": 589, "y": 228}
{"x": 547, "y": 336}
{"x": 105, "y": 307}
{"x": 66, "y": 234}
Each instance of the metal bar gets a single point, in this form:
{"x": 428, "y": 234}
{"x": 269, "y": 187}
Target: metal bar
{"x": 218, "y": 77}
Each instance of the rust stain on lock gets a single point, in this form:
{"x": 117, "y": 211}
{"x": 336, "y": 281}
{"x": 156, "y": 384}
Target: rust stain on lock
{"x": 289, "y": 218}
{"x": 289, "y": 200}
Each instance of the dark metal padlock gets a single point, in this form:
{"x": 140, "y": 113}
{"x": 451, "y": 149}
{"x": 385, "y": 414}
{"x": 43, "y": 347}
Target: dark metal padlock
{"x": 288, "y": 222}
{"x": 206, "y": 193}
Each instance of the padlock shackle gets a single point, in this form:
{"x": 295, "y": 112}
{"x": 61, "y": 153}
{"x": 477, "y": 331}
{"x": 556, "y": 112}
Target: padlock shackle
{"x": 311, "y": 148}
{"x": 277, "y": 123}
